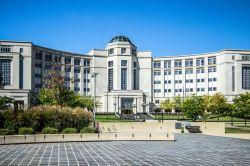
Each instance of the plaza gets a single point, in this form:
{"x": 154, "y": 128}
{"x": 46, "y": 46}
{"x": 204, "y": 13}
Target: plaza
{"x": 189, "y": 149}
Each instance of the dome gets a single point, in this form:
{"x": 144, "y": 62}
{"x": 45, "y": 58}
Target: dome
{"x": 120, "y": 39}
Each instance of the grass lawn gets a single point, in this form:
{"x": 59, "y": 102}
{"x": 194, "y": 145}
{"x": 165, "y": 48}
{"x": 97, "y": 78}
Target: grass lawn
{"x": 238, "y": 130}
{"x": 110, "y": 118}
{"x": 169, "y": 117}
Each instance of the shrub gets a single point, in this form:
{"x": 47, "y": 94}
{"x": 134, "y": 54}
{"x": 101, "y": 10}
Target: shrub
{"x": 25, "y": 130}
{"x": 88, "y": 130}
{"x": 4, "y": 131}
{"x": 69, "y": 131}
{"x": 50, "y": 130}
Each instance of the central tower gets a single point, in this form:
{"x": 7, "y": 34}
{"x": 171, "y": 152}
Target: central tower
{"x": 123, "y": 69}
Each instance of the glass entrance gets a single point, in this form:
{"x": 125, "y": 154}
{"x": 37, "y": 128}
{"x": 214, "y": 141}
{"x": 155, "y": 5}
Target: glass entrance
{"x": 127, "y": 105}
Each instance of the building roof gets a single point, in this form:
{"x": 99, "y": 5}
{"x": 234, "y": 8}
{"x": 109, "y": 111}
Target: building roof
{"x": 120, "y": 39}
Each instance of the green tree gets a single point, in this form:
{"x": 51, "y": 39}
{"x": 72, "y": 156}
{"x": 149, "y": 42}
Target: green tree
{"x": 167, "y": 105}
{"x": 6, "y": 102}
{"x": 241, "y": 106}
{"x": 193, "y": 106}
{"x": 217, "y": 105}
{"x": 177, "y": 105}
{"x": 56, "y": 93}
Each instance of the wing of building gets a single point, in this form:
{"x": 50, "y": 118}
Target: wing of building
{"x": 128, "y": 80}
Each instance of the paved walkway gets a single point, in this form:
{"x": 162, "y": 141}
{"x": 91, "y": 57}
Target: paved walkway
{"x": 189, "y": 149}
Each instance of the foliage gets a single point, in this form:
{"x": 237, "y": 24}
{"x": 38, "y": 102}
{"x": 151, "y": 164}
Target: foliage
{"x": 241, "y": 106}
{"x": 167, "y": 105}
{"x": 217, "y": 105}
{"x": 69, "y": 131}
{"x": 43, "y": 116}
{"x": 4, "y": 131}
{"x": 193, "y": 106}
{"x": 56, "y": 93}
{"x": 5, "y": 102}
{"x": 58, "y": 117}
{"x": 50, "y": 130}
{"x": 88, "y": 130}
{"x": 25, "y": 130}
{"x": 177, "y": 103}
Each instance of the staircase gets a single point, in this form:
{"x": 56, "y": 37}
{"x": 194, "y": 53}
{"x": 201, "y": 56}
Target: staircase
{"x": 136, "y": 117}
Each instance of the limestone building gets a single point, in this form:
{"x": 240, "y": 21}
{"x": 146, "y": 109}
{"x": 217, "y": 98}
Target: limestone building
{"x": 127, "y": 80}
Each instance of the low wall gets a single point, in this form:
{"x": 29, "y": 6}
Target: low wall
{"x": 138, "y": 127}
{"x": 39, "y": 138}
{"x": 209, "y": 127}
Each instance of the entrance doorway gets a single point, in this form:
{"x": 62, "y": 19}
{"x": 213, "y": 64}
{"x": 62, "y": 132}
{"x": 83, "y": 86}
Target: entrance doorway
{"x": 127, "y": 105}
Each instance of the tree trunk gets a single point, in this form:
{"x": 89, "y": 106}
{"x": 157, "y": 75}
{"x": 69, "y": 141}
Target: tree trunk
{"x": 245, "y": 121}
{"x": 232, "y": 121}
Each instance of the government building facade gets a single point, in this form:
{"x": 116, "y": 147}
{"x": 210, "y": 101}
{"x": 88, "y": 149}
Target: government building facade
{"x": 127, "y": 80}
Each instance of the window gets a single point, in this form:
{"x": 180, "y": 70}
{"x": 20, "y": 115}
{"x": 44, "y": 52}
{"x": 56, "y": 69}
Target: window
{"x": 189, "y": 81}
{"x": 167, "y": 81}
{"x": 124, "y": 78}
{"x": 110, "y": 79}
{"x": 246, "y": 57}
{"x": 233, "y": 57}
{"x": 233, "y": 78}
{"x": 212, "y": 79}
{"x": 157, "y": 82}
{"x": 5, "y": 71}
{"x": 124, "y": 63}
{"x": 48, "y": 67}
{"x": 67, "y": 69}
{"x": 189, "y": 71}
{"x": 111, "y": 51}
{"x": 189, "y": 89}
{"x": 211, "y": 60}
{"x": 177, "y": 63}
{"x": 48, "y": 57}
{"x": 178, "y": 81}
{"x": 21, "y": 50}
{"x": 177, "y": 72}
{"x": 67, "y": 60}
{"x": 246, "y": 77}
{"x": 110, "y": 63}
{"x": 77, "y": 80}
{"x": 66, "y": 79}
{"x": 135, "y": 64}
{"x": 189, "y": 63}
{"x": 167, "y": 72}
{"x": 200, "y": 70}
{"x": 86, "y": 63}
{"x": 76, "y": 89}
{"x": 38, "y": 65}
{"x": 5, "y": 49}
{"x": 200, "y": 62}
{"x": 123, "y": 50}
{"x": 200, "y": 89}
{"x": 157, "y": 73}
{"x": 135, "y": 83}
{"x": 157, "y": 90}
{"x": 39, "y": 55}
{"x": 201, "y": 80}
{"x": 77, "y": 61}
{"x": 167, "y": 90}
{"x": 77, "y": 70}
{"x": 212, "y": 89}
{"x": 178, "y": 90}
{"x": 133, "y": 52}
{"x": 167, "y": 64}
{"x": 157, "y": 64}
{"x": 212, "y": 69}
{"x": 157, "y": 101}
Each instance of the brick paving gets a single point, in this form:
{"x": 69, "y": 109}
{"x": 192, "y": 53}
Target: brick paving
{"x": 189, "y": 149}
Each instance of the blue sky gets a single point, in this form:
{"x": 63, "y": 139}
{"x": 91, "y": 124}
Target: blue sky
{"x": 165, "y": 27}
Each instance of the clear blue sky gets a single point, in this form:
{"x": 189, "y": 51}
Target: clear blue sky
{"x": 164, "y": 27}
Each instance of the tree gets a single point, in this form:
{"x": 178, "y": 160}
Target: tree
{"x": 241, "y": 106}
{"x": 167, "y": 105}
{"x": 217, "y": 105}
{"x": 193, "y": 106}
{"x": 55, "y": 92}
{"x": 6, "y": 102}
{"x": 177, "y": 105}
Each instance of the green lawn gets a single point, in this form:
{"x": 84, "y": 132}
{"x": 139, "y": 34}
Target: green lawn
{"x": 169, "y": 117}
{"x": 238, "y": 130}
{"x": 110, "y": 118}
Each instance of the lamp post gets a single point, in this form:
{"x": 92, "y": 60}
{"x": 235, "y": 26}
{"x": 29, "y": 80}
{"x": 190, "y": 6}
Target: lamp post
{"x": 94, "y": 110}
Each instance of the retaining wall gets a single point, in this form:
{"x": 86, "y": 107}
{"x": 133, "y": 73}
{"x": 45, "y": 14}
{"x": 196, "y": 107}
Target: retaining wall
{"x": 38, "y": 138}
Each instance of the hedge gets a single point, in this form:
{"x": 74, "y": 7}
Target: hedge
{"x": 50, "y": 130}
{"x": 43, "y": 116}
{"x": 69, "y": 131}
{"x": 88, "y": 130}
{"x": 25, "y": 130}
